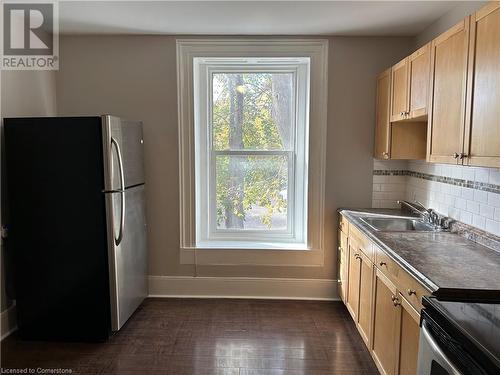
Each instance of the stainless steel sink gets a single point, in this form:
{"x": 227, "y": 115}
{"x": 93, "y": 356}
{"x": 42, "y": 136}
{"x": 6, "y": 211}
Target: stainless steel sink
{"x": 390, "y": 224}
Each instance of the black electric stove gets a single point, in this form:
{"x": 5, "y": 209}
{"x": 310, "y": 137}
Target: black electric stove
{"x": 467, "y": 334}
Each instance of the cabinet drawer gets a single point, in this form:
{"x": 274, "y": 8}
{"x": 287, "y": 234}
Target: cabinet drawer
{"x": 411, "y": 289}
{"x": 344, "y": 225}
{"x": 363, "y": 242}
{"x": 386, "y": 265}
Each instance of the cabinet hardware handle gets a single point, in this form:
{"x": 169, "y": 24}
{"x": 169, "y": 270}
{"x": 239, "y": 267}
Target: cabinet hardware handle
{"x": 340, "y": 248}
{"x": 383, "y": 264}
{"x": 393, "y": 297}
{"x": 357, "y": 256}
{"x": 385, "y": 154}
{"x": 396, "y": 302}
{"x": 462, "y": 156}
{"x": 411, "y": 291}
{"x": 456, "y": 155}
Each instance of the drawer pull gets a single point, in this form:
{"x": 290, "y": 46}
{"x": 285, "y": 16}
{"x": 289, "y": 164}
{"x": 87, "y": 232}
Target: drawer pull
{"x": 393, "y": 298}
{"x": 356, "y": 256}
{"x": 383, "y": 264}
{"x": 396, "y": 302}
{"x": 411, "y": 291}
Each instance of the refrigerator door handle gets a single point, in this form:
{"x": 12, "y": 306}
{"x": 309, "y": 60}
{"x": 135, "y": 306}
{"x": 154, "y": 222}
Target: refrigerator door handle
{"x": 118, "y": 239}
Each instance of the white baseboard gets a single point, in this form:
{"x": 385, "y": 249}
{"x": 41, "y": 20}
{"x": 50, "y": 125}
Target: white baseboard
{"x": 243, "y": 287}
{"x": 8, "y": 321}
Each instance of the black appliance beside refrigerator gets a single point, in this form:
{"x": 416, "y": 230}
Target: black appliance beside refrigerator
{"x": 77, "y": 228}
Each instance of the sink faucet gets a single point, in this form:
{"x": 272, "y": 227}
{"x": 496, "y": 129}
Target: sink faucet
{"x": 428, "y": 214}
{"x": 416, "y": 207}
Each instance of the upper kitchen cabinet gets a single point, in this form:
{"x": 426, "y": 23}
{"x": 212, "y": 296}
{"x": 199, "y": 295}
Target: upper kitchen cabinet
{"x": 410, "y": 86}
{"x": 401, "y": 140}
{"x": 449, "y": 57}
{"x": 399, "y": 90}
{"x": 418, "y": 88}
{"x": 482, "y": 132}
{"x": 383, "y": 123}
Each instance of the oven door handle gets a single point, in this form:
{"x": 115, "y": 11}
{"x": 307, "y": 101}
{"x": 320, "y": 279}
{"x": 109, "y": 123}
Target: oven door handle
{"x": 438, "y": 354}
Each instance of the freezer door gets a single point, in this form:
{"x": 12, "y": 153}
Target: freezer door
{"x": 123, "y": 153}
{"x": 128, "y": 260}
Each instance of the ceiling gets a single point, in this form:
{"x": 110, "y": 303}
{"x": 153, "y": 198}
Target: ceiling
{"x": 401, "y": 18}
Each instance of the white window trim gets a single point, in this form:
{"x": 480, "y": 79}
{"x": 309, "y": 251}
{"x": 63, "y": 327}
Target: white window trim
{"x": 266, "y": 253}
{"x": 207, "y": 235}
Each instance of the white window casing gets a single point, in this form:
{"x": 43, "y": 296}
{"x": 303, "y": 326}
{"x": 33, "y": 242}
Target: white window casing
{"x": 302, "y": 242}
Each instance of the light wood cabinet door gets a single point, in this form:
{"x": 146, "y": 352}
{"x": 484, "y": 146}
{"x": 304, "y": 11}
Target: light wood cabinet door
{"x": 365, "y": 298}
{"x": 383, "y": 121}
{"x": 419, "y": 74}
{"x": 399, "y": 91}
{"x": 482, "y": 137}
{"x": 409, "y": 338}
{"x": 354, "y": 273}
{"x": 386, "y": 322}
{"x": 449, "y": 57}
{"x": 343, "y": 256}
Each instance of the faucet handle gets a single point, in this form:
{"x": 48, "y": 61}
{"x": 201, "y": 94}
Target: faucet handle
{"x": 445, "y": 222}
{"x": 434, "y": 216}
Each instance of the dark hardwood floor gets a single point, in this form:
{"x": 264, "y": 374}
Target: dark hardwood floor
{"x": 212, "y": 336}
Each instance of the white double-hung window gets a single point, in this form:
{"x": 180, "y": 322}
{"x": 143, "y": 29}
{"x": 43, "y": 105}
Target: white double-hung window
{"x": 251, "y": 151}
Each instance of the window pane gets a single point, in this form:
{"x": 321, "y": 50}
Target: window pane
{"x": 252, "y": 192}
{"x": 252, "y": 111}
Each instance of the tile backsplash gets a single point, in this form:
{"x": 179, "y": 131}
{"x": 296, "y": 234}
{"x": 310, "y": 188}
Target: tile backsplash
{"x": 389, "y": 183}
{"x": 467, "y": 194}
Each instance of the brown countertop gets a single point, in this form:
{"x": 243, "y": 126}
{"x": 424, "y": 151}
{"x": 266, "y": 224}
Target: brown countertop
{"x": 447, "y": 264}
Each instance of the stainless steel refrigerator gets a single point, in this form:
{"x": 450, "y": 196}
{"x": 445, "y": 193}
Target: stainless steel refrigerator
{"x": 77, "y": 224}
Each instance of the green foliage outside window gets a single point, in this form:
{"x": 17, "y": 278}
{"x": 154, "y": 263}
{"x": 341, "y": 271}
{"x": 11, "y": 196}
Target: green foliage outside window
{"x": 252, "y": 111}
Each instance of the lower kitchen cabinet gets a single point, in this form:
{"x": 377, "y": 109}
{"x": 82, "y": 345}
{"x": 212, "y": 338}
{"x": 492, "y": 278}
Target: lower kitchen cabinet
{"x": 386, "y": 318}
{"x": 353, "y": 279}
{"x": 384, "y": 302}
{"x": 409, "y": 338}
{"x": 343, "y": 256}
{"x": 359, "y": 286}
{"x": 365, "y": 298}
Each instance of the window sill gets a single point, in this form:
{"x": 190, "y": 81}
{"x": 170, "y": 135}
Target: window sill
{"x": 242, "y": 245}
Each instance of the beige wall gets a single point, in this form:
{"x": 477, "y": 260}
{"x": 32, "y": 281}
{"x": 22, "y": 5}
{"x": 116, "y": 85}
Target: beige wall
{"x": 23, "y": 93}
{"x": 451, "y": 18}
{"x": 135, "y": 77}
